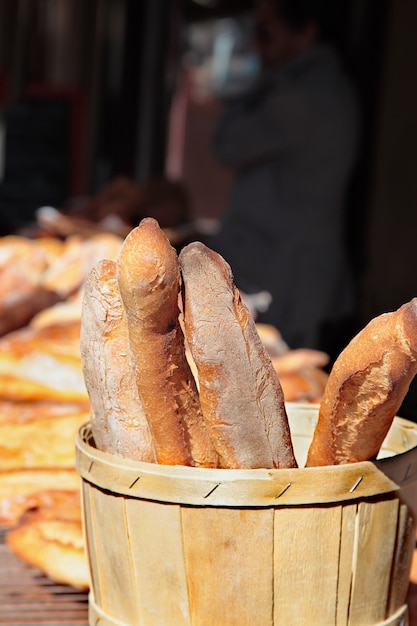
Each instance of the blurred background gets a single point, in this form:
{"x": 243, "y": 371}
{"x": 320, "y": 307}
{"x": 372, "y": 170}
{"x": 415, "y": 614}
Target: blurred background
{"x": 92, "y": 90}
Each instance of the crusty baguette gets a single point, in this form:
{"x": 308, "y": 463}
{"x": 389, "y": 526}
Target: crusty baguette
{"x": 365, "y": 389}
{"x": 149, "y": 281}
{"x": 118, "y": 420}
{"x": 240, "y": 393}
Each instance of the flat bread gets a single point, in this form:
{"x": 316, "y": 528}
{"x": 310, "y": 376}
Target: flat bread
{"x": 68, "y": 273}
{"x": 42, "y": 364}
{"x": 22, "y": 295}
{"x": 25, "y": 507}
{"x": 50, "y": 536}
{"x": 22, "y": 412}
{"x": 25, "y": 489}
{"x": 61, "y": 313}
{"x": 54, "y": 546}
{"x": 42, "y": 442}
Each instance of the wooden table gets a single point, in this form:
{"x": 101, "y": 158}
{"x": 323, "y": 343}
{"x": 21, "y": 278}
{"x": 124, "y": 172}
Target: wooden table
{"x": 28, "y": 598}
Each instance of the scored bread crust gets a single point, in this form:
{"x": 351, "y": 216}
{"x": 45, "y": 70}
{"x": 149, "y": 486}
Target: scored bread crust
{"x": 149, "y": 281}
{"x": 118, "y": 421}
{"x": 365, "y": 389}
{"x": 240, "y": 394}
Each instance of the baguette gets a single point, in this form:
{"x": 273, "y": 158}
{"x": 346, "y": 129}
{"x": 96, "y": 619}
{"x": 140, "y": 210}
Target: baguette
{"x": 149, "y": 281}
{"x": 240, "y": 394}
{"x": 118, "y": 421}
{"x": 365, "y": 389}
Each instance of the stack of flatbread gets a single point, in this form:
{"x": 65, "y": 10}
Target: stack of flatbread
{"x": 42, "y": 406}
{"x": 43, "y": 400}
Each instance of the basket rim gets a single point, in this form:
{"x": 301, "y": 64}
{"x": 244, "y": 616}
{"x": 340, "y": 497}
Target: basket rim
{"x": 228, "y": 487}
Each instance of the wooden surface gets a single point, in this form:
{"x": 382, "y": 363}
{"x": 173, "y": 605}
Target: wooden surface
{"x": 28, "y": 598}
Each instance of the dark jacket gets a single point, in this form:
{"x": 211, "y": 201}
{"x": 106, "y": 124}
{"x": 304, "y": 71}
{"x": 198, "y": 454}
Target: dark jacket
{"x": 292, "y": 144}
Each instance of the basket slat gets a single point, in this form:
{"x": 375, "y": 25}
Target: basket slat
{"x": 347, "y": 542}
{"x": 312, "y": 577}
{"x": 212, "y": 539}
{"x": 370, "y": 584}
{"x": 158, "y": 563}
{"x": 405, "y": 543}
{"x": 113, "y": 548}
{"x": 92, "y": 548}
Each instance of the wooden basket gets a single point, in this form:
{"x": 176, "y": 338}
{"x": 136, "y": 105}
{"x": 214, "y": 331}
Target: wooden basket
{"x": 181, "y": 546}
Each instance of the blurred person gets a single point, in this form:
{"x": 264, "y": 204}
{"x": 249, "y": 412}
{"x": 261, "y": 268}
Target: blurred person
{"x": 291, "y": 141}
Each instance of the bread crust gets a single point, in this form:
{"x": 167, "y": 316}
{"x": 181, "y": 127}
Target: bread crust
{"x": 365, "y": 389}
{"x": 118, "y": 419}
{"x": 149, "y": 281}
{"x": 240, "y": 394}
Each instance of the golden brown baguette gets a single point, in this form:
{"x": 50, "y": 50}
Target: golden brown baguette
{"x": 365, "y": 389}
{"x": 118, "y": 419}
{"x": 240, "y": 393}
{"x": 149, "y": 282}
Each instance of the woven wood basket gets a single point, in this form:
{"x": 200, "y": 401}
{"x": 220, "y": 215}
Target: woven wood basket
{"x": 180, "y": 546}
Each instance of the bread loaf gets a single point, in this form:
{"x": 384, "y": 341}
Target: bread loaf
{"x": 149, "y": 281}
{"x": 240, "y": 394}
{"x": 118, "y": 419}
{"x": 365, "y": 389}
